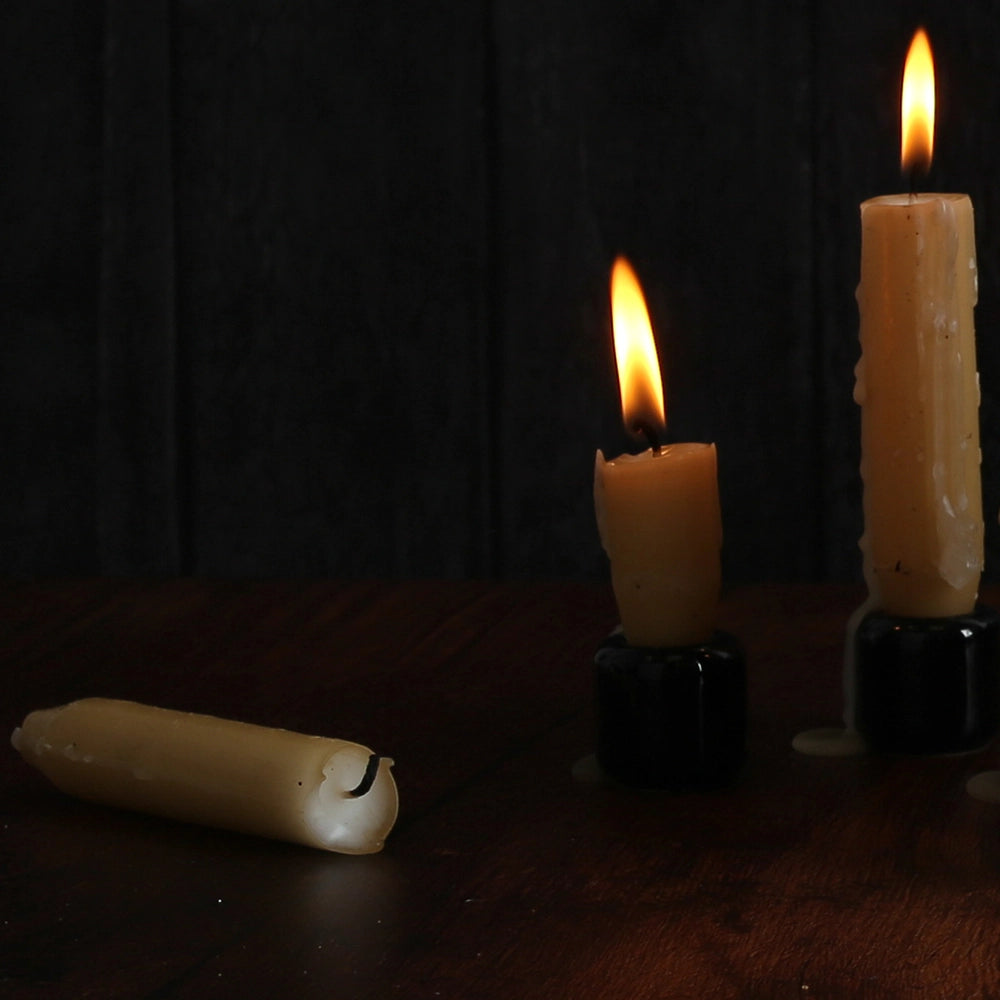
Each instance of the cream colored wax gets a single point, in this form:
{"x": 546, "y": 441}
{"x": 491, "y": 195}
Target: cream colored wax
{"x": 918, "y": 389}
{"x": 660, "y": 523}
{"x": 201, "y": 769}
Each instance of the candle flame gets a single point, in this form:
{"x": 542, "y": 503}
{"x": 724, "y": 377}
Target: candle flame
{"x": 635, "y": 351}
{"x": 918, "y": 106}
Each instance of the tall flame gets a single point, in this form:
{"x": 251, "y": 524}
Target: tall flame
{"x": 918, "y": 106}
{"x": 635, "y": 351}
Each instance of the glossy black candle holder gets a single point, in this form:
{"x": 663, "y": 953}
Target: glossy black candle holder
{"x": 927, "y": 685}
{"x": 671, "y": 718}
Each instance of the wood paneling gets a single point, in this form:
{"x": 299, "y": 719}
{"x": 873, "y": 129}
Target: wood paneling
{"x": 138, "y": 471}
{"x": 50, "y": 150}
{"x": 322, "y": 289}
{"x": 331, "y": 248}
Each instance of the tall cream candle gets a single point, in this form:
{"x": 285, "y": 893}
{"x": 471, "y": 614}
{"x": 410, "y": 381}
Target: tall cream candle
{"x": 918, "y": 389}
{"x": 325, "y": 793}
{"x": 658, "y": 512}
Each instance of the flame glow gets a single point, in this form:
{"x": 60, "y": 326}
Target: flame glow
{"x": 635, "y": 351}
{"x": 918, "y": 106}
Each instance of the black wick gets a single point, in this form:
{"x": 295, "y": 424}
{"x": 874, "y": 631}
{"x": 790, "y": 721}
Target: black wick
{"x": 368, "y": 778}
{"x": 915, "y": 173}
{"x": 648, "y": 432}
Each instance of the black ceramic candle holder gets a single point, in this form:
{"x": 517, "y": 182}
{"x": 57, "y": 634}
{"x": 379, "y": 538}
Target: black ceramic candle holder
{"x": 672, "y": 718}
{"x": 927, "y": 685}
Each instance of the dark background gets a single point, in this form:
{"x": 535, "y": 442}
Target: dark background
{"x": 320, "y": 288}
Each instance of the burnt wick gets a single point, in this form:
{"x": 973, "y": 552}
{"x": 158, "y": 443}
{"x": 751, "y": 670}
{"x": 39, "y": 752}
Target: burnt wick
{"x": 368, "y": 778}
{"x": 913, "y": 175}
{"x": 648, "y": 432}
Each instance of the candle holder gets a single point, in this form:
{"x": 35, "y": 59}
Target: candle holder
{"x": 927, "y": 685}
{"x": 671, "y": 718}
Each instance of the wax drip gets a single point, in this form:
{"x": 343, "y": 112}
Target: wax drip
{"x": 368, "y": 778}
{"x": 648, "y": 432}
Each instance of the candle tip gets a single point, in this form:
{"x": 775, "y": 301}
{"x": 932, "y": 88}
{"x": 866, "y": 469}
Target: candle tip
{"x": 648, "y": 432}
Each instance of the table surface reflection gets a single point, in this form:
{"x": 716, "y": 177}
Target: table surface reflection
{"x": 505, "y": 876}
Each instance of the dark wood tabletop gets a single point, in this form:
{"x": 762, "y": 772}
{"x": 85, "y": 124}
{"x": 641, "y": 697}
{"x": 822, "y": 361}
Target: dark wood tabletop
{"x": 505, "y": 875}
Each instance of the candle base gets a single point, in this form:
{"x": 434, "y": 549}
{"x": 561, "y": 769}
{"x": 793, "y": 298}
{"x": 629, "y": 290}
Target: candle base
{"x": 672, "y": 718}
{"x": 927, "y": 685}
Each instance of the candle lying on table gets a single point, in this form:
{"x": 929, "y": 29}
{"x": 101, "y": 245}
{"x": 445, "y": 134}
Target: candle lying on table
{"x": 658, "y": 512}
{"x": 325, "y": 793}
{"x": 918, "y": 388}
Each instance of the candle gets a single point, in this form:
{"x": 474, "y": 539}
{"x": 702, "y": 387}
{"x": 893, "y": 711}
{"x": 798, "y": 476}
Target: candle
{"x": 658, "y": 512}
{"x": 324, "y": 793}
{"x": 917, "y": 384}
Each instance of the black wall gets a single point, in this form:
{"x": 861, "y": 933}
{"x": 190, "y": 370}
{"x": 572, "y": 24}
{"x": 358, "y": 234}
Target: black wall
{"x": 321, "y": 288}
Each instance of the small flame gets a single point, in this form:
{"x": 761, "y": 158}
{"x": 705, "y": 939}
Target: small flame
{"x": 918, "y": 106}
{"x": 635, "y": 352}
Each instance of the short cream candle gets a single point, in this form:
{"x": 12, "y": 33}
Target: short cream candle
{"x": 658, "y": 512}
{"x": 325, "y": 793}
{"x": 660, "y": 523}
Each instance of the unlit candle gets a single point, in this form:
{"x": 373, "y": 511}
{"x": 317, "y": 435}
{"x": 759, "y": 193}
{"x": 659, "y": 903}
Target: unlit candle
{"x": 325, "y": 793}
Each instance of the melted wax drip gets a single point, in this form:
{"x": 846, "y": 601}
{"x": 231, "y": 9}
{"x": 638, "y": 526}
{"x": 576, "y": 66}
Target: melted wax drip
{"x": 985, "y": 786}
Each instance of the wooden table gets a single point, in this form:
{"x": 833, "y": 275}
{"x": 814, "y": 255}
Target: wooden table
{"x": 505, "y": 876}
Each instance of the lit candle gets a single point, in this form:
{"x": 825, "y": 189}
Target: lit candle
{"x": 917, "y": 384}
{"x": 324, "y": 793}
{"x": 658, "y": 512}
